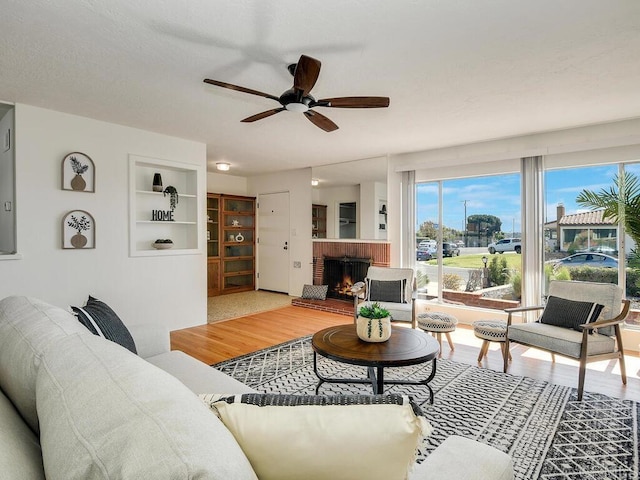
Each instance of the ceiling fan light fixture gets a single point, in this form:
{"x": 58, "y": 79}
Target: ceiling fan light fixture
{"x": 314, "y": 182}
{"x": 297, "y": 107}
{"x": 223, "y": 166}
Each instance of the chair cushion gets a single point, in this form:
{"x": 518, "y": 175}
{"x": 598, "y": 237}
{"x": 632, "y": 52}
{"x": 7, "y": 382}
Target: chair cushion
{"x": 317, "y": 437}
{"x": 386, "y": 290}
{"x": 562, "y": 312}
{"x": 565, "y": 341}
{"x": 27, "y": 328}
{"x": 385, "y": 273}
{"x": 101, "y": 320}
{"x": 106, "y": 413}
{"x": 400, "y": 312}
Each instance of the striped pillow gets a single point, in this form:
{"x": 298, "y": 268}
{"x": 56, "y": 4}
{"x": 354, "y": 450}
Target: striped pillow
{"x": 101, "y": 320}
{"x": 569, "y": 313}
{"x": 386, "y": 290}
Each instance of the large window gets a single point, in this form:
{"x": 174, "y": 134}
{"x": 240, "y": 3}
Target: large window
{"x": 475, "y": 217}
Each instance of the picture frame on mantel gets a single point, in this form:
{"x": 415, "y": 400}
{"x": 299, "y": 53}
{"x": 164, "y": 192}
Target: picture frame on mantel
{"x": 78, "y": 173}
{"x": 78, "y": 230}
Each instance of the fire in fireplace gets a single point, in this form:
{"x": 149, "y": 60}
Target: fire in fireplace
{"x": 340, "y": 273}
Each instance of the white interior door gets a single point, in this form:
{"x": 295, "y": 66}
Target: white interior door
{"x": 273, "y": 242}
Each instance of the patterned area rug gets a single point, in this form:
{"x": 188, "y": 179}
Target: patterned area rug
{"x": 547, "y": 432}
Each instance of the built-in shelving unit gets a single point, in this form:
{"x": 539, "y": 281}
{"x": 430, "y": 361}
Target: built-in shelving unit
{"x": 318, "y": 221}
{"x": 237, "y": 234}
{"x": 182, "y": 225}
{"x": 213, "y": 244}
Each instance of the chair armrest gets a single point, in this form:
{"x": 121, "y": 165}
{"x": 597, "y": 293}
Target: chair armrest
{"x": 611, "y": 321}
{"x": 511, "y": 311}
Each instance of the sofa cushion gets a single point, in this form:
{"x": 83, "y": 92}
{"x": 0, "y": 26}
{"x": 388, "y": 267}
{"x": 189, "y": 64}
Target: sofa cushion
{"x": 317, "y": 437}
{"x": 462, "y": 458}
{"x": 198, "y": 376}
{"x": 20, "y": 454}
{"x": 27, "y": 328}
{"x": 566, "y": 313}
{"x": 106, "y": 413}
{"x": 101, "y": 320}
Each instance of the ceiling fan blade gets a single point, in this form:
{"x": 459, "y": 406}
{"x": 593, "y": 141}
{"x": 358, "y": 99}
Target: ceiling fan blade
{"x": 240, "y": 89}
{"x": 354, "y": 102}
{"x": 306, "y": 74}
{"x": 260, "y": 116}
{"x": 320, "y": 121}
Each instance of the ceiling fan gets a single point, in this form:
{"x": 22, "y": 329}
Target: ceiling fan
{"x": 298, "y": 99}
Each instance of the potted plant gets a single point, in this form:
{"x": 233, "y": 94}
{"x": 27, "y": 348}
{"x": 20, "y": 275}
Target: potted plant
{"x": 173, "y": 196}
{"x": 373, "y": 323}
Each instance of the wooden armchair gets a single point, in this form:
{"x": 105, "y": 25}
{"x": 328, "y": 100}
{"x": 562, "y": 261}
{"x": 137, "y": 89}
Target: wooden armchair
{"x": 593, "y": 342}
{"x": 381, "y": 285}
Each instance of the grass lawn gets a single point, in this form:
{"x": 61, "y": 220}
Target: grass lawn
{"x": 475, "y": 260}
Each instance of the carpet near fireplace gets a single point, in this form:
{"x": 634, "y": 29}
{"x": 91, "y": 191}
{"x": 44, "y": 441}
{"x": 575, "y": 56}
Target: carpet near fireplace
{"x": 547, "y": 432}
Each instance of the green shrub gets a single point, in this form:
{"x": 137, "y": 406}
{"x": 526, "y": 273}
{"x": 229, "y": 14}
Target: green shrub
{"x": 451, "y": 281}
{"x": 422, "y": 279}
{"x": 516, "y": 282}
{"x": 498, "y": 271}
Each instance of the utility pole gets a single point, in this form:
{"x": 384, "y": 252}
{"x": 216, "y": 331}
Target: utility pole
{"x": 465, "y": 221}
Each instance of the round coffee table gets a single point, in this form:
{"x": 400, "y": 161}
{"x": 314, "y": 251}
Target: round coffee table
{"x": 406, "y": 346}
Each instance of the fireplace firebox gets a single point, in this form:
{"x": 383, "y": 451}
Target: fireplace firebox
{"x": 340, "y": 273}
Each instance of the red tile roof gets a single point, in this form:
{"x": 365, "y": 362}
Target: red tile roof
{"x": 586, "y": 218}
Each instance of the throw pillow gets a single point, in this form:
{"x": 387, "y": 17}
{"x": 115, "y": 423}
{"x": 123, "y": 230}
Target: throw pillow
{"x": 287, "y": 437}
{"x": 386, "y": 290}
{"x": 101, "y": 320}
{"x": 562, "y": 312}
{"x": 315, "y": 292}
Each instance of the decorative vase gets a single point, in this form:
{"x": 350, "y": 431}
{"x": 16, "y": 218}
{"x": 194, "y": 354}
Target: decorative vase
{"x": 239, "y": 238}
{"x": 78, "y": 241}
{"x": 373, "y": 329}
{"x": 157, "y": 182}
{"x": 78, "y": 183}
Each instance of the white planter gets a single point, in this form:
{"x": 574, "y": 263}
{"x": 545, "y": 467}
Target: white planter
{"x": 373, "y": 329}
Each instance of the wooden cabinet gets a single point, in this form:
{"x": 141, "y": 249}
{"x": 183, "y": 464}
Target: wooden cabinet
{"x": 237, "y": 232}
{"x": 230, "y": 243}
{"x": 153, "y": 215}
{"x": 318, "y": 221}
{"x": 213, "y": 244}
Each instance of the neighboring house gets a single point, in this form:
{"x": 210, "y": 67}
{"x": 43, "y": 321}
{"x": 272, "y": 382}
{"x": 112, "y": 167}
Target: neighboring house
{"x": 581, "y": 231}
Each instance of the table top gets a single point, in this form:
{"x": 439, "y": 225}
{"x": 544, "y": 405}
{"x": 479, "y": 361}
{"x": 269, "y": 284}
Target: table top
{"x": 407, "y": 346}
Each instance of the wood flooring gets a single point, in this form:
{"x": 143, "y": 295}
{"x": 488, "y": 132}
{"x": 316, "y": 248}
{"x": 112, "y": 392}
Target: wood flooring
{"x": 226, "y": 339}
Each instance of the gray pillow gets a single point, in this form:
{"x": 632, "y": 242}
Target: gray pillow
{"x": 315, "y": 292}
{"x": 386, "y": 290}
{"x": 101, "y": 320}
{"x": 562, "y": 312}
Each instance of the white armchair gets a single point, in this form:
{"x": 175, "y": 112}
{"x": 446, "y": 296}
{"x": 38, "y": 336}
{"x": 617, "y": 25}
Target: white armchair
{"x": 384, "y": 284}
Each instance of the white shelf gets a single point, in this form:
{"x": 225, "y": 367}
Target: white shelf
{"x": 184, "y": 231}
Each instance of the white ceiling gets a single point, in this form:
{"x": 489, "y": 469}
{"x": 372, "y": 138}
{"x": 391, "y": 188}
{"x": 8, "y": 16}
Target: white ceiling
{"x": 457, "y": 71}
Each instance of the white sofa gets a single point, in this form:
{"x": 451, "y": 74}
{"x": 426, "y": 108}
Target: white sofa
{"x": 76, "y": 406}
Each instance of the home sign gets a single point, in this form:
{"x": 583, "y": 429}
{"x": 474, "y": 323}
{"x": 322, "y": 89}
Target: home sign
{"x": 162, "y": 215}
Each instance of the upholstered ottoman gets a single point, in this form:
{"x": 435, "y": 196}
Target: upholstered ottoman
{"x": 438, "y": 323}
{"x": 490, "y": 331}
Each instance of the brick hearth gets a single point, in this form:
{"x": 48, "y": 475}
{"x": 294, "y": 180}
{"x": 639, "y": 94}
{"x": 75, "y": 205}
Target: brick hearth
{"x": 331, "y": 305}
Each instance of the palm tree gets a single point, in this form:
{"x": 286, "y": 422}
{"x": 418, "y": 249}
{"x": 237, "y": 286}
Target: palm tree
{"x": 620, "y": 202}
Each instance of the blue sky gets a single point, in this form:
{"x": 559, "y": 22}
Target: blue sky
{"x": 500, "y": 195}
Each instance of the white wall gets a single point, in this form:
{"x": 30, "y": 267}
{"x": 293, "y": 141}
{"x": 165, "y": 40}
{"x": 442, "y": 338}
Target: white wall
{"x": 332, "y": 197}
{"x": 168, "y": 291}
{"x": 298, "y": 184}
{"x": 229, "y": 184}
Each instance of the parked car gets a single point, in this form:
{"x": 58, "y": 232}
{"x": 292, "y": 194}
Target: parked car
{"x": 505, "y": 245}
{"x": 427, "y": 244}
{"x": 460, "y": 243}
{"x": 595, "y": 260}
{"x": 450, "y": 249}
{"x": 600, "y": 249}
{"x": 423, "y": 255}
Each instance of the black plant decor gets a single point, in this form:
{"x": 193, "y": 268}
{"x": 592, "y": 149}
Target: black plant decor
{"x": 77, "y": 167}
{"x": 173, "y": 196}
